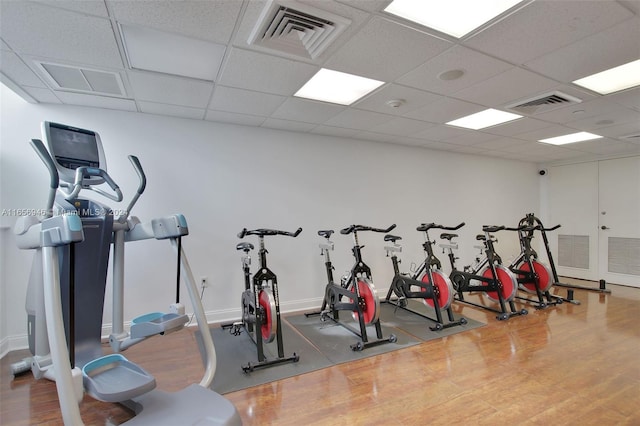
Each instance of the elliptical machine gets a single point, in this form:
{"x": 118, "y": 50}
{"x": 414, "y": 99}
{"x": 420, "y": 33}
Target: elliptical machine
{"x": 261, "y": 302}
{"x": 67, "y": 283}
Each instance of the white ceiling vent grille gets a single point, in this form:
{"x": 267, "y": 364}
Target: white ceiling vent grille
{"x": 543, "y": 103}
{"x": 296, "y": 29}
{"x": 84, "y": 80}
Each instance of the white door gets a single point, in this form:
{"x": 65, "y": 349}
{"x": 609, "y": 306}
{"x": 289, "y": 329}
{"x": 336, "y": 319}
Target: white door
{"x": 619, "y": 221}
{"x": 573, "y": 203}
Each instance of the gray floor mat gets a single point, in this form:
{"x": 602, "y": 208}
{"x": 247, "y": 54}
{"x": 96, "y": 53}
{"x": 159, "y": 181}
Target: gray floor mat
{"x": 233, "y": 352}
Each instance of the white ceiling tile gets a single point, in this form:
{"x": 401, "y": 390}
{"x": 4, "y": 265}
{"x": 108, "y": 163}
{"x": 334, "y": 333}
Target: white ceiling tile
{"x": 82, "y": 6}
{"x": 265, "y": 73}
{"x": 307, "y": 111}
{"x": 206, "y": 20}
{"x": 368, "y": 5}
{"x": 334, "y": 131}
{"x": 231, "y": 117}
{"x": 445, "y": 110}
{"x": 545, "y": 133}
{"x": 633, "y": 5}
{"x": 44, "y": 96}
{"x": 506, "y": 88}
{"x": 597, "y": 106}
{"x": 372, "y": 136}
{"x": 171, "y": 110}
{"x": 413, "y": 99}
{"x": 500, "y": 143}
{"x": 401, "y": 126}
{"x": 292, "y": 126}
{"x": 244, "y": 101}
{"x": 605, "y": 147}
{"x": 610, "y": 118}
{"x": 629, "y": 98}
{"x": 384, "y": 50}
{"x": 620, "y": 130}
{"x": 96, "y": 101}
{"x": 476, "y": 66}
{"x": 519, "y": 126}
{"x": 469, "y": 150}
{"x": 358, "y": 119}
{"x": 440, "y": 133}
{"x": 35, "y": 29}
{"x": 544, "y": 26}
{"x": 170, "y": 90}
{"x": 577, "y": 60}
{"x": 13, "y": 67}
{"x": 470, "y": 138}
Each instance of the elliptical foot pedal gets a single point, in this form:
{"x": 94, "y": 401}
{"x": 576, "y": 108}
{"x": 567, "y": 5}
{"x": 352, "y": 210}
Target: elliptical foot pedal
{"x": 157, "y": 323}
{"x": 113, "y": 378}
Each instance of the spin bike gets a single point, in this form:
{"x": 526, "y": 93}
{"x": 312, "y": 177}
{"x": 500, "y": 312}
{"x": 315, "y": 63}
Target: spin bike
{"x": 487, "y": 274}
{"x": 355, "y": 293}
{"x": 435, "y": 288}
{"x": 531, "y": 219}
{"x": 533, "y": 276}
{"x": 261, "y": 303}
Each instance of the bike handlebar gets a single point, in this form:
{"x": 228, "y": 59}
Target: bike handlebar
{"x": 262, "y": 232}
{"x": 426, "y": 226}
{"x": 491, "y": 228}
{"x": 354, "y": 228}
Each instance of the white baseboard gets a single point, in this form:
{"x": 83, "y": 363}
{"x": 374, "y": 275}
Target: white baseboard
{"x": 18, "y": 342}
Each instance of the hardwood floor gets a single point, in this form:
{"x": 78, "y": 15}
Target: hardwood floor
{"x": 571, "y": 364}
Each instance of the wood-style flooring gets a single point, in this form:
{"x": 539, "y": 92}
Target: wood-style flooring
{"x": 565, "y": 365}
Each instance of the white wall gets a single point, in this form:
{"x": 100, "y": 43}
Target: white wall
{"x": 226, "y": 177}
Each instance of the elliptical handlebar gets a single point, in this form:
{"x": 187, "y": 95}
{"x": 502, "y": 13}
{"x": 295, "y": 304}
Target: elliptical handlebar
{"x": 354, "y": 228}
{"x": 426, "y": 226}
{"x": 141, "y": 187}
{"x": 42, "y": 152}
{"x": 262, "y": 232}
{"x": 78, "y": 184}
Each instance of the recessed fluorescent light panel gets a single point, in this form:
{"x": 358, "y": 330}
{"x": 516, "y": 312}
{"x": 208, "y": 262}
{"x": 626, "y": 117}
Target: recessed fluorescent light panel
{"x": 153, "y": 50}
{"x": 571, "y": 138}
{"x": 456, "y": 18}
{"x": 487, "y": 118}
{"x": 614, "y": 79}
{"x": 337, "y": 87}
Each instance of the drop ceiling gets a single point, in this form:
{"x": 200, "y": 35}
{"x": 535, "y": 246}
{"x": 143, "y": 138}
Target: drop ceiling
{"x": 537, "y": 48}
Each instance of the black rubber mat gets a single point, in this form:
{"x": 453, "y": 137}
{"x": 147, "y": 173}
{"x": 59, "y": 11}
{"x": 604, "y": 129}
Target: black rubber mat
{"x": 233, "y": 352}
{"x": 417, "y": 325}
{"x": 335, "y": 341}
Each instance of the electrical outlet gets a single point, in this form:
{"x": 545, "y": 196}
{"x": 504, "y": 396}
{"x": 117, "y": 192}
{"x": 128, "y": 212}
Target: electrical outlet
{"x": 204, "y": 282}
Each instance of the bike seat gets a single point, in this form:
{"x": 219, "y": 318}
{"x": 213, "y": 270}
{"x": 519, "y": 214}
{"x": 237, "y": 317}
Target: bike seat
{"x": 325, "y": 233}
{"x": 446, "y": 236}
{"x": 481, "y": 237}
{"x": 244, "y": 246}
{"x": 392, "y": 238}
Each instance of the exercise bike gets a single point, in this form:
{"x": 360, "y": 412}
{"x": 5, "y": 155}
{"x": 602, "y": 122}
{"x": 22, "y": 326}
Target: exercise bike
{"x": 487, "y": 274}
{"x": 531, "y": 219}
{"x": 534, "y": 277}
{"x": 355, "y": 293}
{"x": 261, "y": 303}
{"x": 434, "y": 287}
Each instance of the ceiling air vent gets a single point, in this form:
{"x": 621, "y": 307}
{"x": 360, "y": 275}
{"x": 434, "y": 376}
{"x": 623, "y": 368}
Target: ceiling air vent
{"x": 84, "y": 80}
{"x": 543, "y": 103}
{"x": 296, "y": 29}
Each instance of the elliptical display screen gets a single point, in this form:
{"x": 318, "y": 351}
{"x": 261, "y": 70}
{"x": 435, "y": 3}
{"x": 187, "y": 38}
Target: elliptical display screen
{"x": 73, "y": 147}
